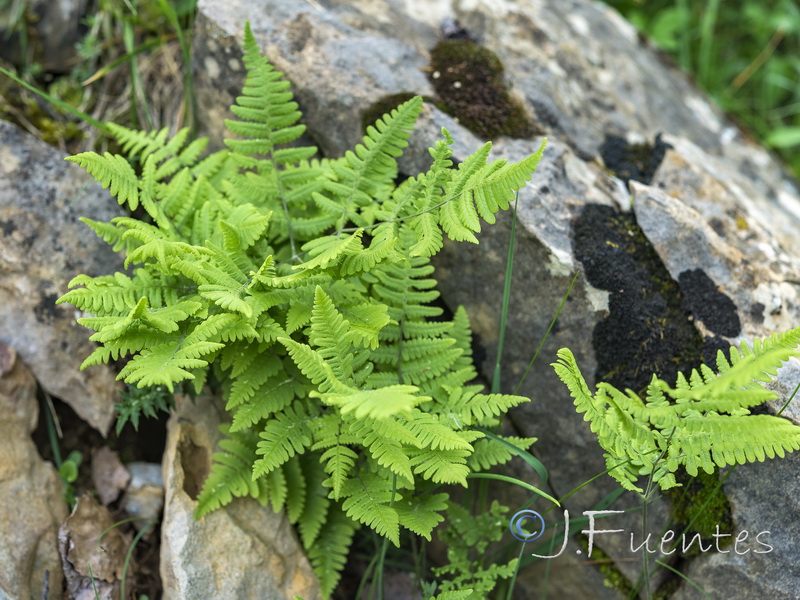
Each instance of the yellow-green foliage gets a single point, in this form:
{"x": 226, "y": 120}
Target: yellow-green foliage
{"x": 302, "y": 286}
{"x": 704, "y": 422}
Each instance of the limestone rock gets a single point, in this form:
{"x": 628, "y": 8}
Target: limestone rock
{"x": 240, "y": 551}
{"x": 109, "y": 476}
{"x": 144, "y": 498}
{"x": 764, "y": 564}
{"x": 700, "y": 253}
{"x": 42, "y": 248}
{"x": 93, "y": 552}
{"x": 31, "y": 502}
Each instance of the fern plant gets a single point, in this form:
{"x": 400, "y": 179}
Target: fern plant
{"x": 703, "y": 422}
{"x": 302, "y": 287}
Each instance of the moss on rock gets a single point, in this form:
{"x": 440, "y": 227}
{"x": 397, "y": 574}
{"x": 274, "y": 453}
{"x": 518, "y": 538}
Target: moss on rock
{"x": 701, "y": 506}
{"x": 469, "y": 80}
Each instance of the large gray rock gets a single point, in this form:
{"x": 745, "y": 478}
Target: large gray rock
{"x": 31, "y": 502}
{"x": 43, "y": 246}
{"x": 239, "y": 551}
{"x": 701, "y": 253}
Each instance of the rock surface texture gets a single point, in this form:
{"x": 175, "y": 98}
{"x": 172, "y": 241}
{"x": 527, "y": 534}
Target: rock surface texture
{"x": 241, "y": 551}
{"x": 684, "y": 231}
{"x": 31, "y": 505}
{"x": 42, "y": 246}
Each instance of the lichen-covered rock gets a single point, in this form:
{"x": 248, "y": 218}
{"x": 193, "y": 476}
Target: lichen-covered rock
{"x": 242, "y": 550}
{"x": 42, "y": 247}
{"x": 31, "y": 502}
{"x": 684, "y": 232}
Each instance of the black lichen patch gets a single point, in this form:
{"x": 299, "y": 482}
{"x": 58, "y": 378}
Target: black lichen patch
{"x": 8, "y": 227}
{"x": 383, "y": 106}
{"x": 469, "y": 80}
{"x": 45, "y": 310}
{"x": 633, "y": 161}
{"x": 708, "y": 304}
{"x": 757, "y": 312}
{"x": 647, "y": 330}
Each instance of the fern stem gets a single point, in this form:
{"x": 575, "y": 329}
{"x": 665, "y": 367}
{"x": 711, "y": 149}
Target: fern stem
{"x": 684, "y": 577}
{"x": 385, "y": 546}
{"x": 585, "y": 483}
{"x": 367, "y": 575}
{"x": 51, "y": 432}
{"x": 129, "y": 554}
{"x": 506, "y": 296}
{"x": 786, "y": 404}
{"x": 285, "y": 205}
{"x": 513, "y": 581}
{"x": 646, "y": 554}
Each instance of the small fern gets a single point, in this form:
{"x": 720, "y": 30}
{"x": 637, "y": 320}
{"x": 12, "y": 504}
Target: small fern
{"x": 301, "y": 288}
{"x": 704, "y": 422}
{"x": 468, "y": 537}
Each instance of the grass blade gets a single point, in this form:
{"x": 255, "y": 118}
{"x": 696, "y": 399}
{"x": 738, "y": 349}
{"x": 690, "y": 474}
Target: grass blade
{"x": 56, "y": 102}
{"x": 519, "y": 482}
{"x": 506, "y": 296}
{"x": 547, "y": 333}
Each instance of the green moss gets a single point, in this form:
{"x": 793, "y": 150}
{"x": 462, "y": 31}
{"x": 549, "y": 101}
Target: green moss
{"x": 612, "y": 577}
{"x": 469, "y": 80}
{"x": 24, "y": 109}
{"x": 670, "y": 587}
{"x": 701, "y": 505}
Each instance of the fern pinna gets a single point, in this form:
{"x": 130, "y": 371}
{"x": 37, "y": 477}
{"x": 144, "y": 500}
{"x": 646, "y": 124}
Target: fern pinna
{"x": 302, "y": 287}
{"x": 703, "y": 422}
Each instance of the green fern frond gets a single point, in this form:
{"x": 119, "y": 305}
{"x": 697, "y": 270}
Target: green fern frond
{"x": 328, "y": 555}
{"x": 380, "y": 403}
{"x": 167, "y": 364}
{"x": 368, "y": 500}
{"x": 422, "y": 515}
{"x": 480, "y": 409}
{"x": 315, "y": 509}
{"x": 114, "y": 173}
{"x": 366, "y": 173}
{"x": 489, "y": 453}
{"x": 284, "y": 436}
{"x": 266, "y": 107}
{"x": 441, "y": 466}
{"x": 339, "y": 463}
{"x": 702, "y": 423}
{"x": 231, "y": 474}
{"x": 118, "y": 294}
